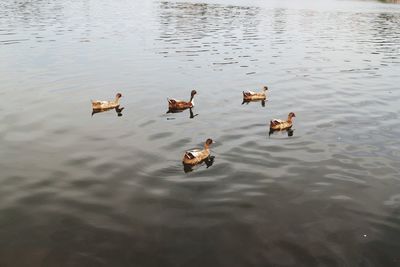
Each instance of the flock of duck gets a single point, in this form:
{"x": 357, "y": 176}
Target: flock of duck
{"x": 196, "y": 156}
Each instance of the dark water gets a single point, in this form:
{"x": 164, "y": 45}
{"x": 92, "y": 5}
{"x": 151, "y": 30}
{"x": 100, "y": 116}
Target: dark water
{"x": 108, "y": 190}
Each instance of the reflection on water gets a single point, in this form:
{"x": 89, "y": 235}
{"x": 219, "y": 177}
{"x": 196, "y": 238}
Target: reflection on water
{"x": 192, "y": 30}
{"x": 208, "y": 162}
{"x": 262, "y": 102}
{"x": 82, "y": 191}
{"x": 288, "y": 132}
{"x": 191, "y": 113}
{"x": 118, "y": 110}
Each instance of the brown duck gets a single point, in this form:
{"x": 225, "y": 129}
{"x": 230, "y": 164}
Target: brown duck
{"x": 100, "y": 105}
{"x": 250, "y": 95}
{"x": 174, "y": 104}
{"x": 197, "y": 155}
{"x": 277, "y": 124}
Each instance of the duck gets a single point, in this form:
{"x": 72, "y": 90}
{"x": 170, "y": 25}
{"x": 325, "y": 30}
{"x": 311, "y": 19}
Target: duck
{"x": 277, "y": 124}
{"x": 98, "y": 104}
{"x": 197, "y": 155}
{"x": 174, "y": 104}
{"x": 250, "y": 95}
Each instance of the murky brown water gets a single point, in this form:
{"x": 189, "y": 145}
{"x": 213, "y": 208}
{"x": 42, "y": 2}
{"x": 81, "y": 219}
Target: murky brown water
{"x": 108, "y": 190}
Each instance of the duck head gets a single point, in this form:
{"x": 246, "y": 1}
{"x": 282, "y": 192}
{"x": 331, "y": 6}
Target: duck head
{"x": 265, "y": 88}
{"x": 192, "y": 95}
{"x": 291, "y": 115}
{"x": 209, "y": 141}
{"x": 119, "y": 95}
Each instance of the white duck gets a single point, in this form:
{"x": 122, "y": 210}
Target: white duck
{"x": 98, "y": 104}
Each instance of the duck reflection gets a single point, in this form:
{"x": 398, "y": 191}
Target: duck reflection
{"x": 289, "y": 132}
{"x": 191, "y": 114}
{"x": 117, "y": 109}
{"x": 248, "y": 101}
{"x": 208, "y": 162}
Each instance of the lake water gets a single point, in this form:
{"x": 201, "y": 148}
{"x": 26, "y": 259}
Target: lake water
{"x": 108, "y": 190}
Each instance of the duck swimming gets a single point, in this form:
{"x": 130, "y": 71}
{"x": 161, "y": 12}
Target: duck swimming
{"x": 197, "y": 155}
{"x": 250, "y": 95}
{"x": 99, "y": 105}
{"x": 277, "y": 124}
{"x": 174, "y": 104}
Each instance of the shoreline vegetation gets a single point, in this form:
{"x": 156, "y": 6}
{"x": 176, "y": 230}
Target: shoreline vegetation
{"x": 390, "y": 1}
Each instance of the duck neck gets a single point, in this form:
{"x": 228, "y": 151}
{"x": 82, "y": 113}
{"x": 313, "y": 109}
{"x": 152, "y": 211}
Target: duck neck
{"x": 289, "y": 119}
{"x": 191, "y": 99}
{"x": 206, "y": 146}
{"x": 117, "y": 100}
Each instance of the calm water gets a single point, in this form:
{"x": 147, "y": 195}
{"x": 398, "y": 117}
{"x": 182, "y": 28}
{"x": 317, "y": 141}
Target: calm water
{"x": 108, "y": 190}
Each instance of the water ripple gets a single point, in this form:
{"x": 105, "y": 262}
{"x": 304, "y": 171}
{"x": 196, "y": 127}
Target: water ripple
{"x": 82, "y": 190}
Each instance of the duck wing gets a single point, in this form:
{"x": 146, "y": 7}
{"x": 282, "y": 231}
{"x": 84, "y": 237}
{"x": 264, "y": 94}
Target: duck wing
{"x": 98, "y": 102}
{"x": 276, "y": 121}
{"x": 248, "y": 93}
{"x": 193, "y": 153}
{"x": 173, "y": 101}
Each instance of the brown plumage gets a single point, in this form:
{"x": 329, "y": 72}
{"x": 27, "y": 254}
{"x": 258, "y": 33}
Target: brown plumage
{"x": 250, "y": 95}
{"x": 174, "y": 104}
{"x": 197, "y": 155}
{"x": 277, "y": 124}
{"x": 100, "y": 105}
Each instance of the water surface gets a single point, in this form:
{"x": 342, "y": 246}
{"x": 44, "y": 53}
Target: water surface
{"x": 109, "y": 190}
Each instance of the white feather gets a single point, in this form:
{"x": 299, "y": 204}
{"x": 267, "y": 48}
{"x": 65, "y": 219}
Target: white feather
{"x": 194, "y": 153}
{"x": 249, "y": 92}
{"x": 173, "y": 99}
